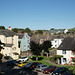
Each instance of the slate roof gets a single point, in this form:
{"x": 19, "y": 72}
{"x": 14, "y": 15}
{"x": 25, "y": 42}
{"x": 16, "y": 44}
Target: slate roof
{"x": 20, "y": 36}
{"x": 36, "y": 38}
{"x": 67, "y": 44}
{"x": 57, "y": 30}
{"x": 7, "y": 33}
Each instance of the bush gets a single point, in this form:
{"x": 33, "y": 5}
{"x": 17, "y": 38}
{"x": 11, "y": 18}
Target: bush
{"x": 39, "y": 58}
{"x": 1, "y": 55}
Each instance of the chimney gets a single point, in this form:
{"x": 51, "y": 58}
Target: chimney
{"x": 9, "y": 28}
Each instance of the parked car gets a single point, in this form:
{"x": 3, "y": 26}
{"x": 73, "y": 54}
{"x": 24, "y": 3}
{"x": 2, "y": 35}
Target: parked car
{"x": 69, "y": 72}
{"x": 41, "y": 67}
{"x": 27, "y": 65}
{"x": 23, "y": 59}
{"x": 17, "y": 62}
{"x": 59, "y": 71}
{"x": 22, "y": 63}
{"x": 8, "y": 58}
{"x": 49, "y": 69}
{"x": 2, "y": 73}
{"x": 11, "y": 62}
{"x": 33, "y": 66}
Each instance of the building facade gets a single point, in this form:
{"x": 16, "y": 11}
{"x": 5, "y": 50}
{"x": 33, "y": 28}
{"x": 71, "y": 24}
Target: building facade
{"x": 24, "y": 42}
{"x": 10, "y": 39}
{"x": 67, "y": 49}
{"x": 56, "y": 42}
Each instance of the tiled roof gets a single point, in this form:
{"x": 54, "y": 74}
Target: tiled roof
{"x": 7, "y": 33}
{"x": 67, "y": 44}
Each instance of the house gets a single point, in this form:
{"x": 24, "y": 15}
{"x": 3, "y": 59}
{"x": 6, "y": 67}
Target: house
{"x": 58, "y": 31}
{"x": 24, "y": 42}
{"x": 39, "y": 38}
{"x": 67, "y": 49}
{"x": 10, "y": 39}
{"x": 56, "y": 42}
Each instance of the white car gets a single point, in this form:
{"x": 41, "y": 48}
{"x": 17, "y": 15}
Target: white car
{"x": 23, "y": 59}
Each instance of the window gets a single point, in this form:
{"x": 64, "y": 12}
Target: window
{"x": 7, "y": 48}
{"x": 14, "y": 48}
{"x": 64, "y": 59}
{"x": 28, "y": 41}
{"x": 23, "y": 37}
{"x": 73, "y": 52}
{"x": 5, "y": 54}
{"x": 19, "y": 42}
{"x": 63, "y": 51}
{"x": 24, "y": 46}
{"x": 73, "y": 59}
{"x": 28, "y": 46}
{"x": 55, "y": 45}
{"x": 55, "y": 40}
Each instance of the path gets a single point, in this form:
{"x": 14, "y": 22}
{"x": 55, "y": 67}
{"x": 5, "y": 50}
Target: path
{"x": 54, "y": 63}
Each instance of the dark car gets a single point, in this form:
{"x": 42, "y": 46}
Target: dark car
{"x": 27, "y": 66}
{"x": 2, "y": 73}
{"x": 69, "y": 72}
{"x": 17, "y": 62}
{"x": 59, "y": 71}
{"x": 11, "y": 62}
{"x": 8, "y": 58}
{"x": 33, "y": 66}
{"x": 49, "y": 69}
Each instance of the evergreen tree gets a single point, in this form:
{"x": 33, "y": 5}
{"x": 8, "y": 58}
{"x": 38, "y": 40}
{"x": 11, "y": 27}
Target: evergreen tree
{"x": 1, "y": 49}
{"x": 35, "y": 49}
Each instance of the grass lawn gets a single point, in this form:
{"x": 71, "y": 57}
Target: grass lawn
{"x": 42, "y": 60}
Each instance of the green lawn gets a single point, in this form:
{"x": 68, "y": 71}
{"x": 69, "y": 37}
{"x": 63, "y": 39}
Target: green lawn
{"x": 42, "y": 60}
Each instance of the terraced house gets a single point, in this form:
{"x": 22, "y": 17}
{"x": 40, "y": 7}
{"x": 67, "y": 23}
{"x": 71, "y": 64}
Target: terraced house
{"x": 10, "y": 39}
{"x": 67, "y": 49}
{"x": 24, "y": 43}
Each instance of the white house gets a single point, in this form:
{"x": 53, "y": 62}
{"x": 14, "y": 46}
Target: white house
{"x": 67, "y": 49}
{"x": 66, "y": 30}
{"x": 10, "y": 39}
{"x": 58, "y": 31}
{"x": 56, "y": 42}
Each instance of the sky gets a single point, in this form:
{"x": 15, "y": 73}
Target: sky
{"x": 37, "y": 14}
